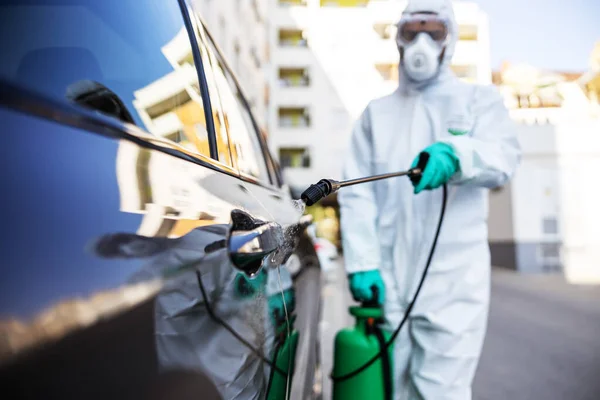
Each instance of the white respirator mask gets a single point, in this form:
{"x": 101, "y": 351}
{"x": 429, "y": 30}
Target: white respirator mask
{"x": 421, "y": 58}
{"x": 421, "y": 40}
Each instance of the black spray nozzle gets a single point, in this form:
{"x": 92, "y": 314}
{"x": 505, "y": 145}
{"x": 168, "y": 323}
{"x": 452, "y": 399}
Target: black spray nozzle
{"x": 319, "y": 190}
{"x": 416, "y": 173}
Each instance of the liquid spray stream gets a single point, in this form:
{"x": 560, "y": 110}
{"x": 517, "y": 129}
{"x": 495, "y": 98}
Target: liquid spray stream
{"x": 299, "y": 205}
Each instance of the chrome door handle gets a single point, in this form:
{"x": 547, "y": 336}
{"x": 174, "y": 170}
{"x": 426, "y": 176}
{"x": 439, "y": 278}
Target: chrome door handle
{"x": 251, "y": 240}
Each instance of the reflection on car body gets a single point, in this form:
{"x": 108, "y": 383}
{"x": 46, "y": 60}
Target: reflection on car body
{"x": 186, "y": 337}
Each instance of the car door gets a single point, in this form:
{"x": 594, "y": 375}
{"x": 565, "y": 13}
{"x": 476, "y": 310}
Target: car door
{"x": 260, "y": 177}
{"x": 117, "y": 277}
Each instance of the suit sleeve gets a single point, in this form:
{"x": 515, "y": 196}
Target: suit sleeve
{"x": 358, "y": 206}
{"x": 488, "y": 157}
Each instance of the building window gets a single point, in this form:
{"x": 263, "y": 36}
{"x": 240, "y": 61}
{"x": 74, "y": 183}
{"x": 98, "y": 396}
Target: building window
{"x": 293, "y": 77}
{"x": 385, "y": 31}
{"x": 294, "y": 117}
{"x": 549, "y": 255}
{"x": 292, "y": 3}
{"x": 550, "y": 226}
{"x": 389, "y": 72}
{"x": 344, "y": 3}
{"x": 297, "y": 157}
{"x": 177, "y": 137}
{"x": 539, "y": 100}
{"x": 465, "y": 72}
{"x": 292, "y": 38}
{"x": 468, "y": 33}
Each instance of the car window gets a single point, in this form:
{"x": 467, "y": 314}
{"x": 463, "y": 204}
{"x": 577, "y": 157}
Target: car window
{"x": 131, "y": 61}
{"x": 244, "y": 142}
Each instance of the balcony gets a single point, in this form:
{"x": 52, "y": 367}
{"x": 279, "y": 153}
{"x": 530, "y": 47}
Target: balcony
{"x": 293, "y": 117}
{"x": 298, "y": 157}
{"x": 389, "y": 72}
{"x": 292, "y": 38}
{"x": 465, "y": 72}
{"x": 385, "y": 31}
{"x": 344, "y": 3}
{"x": 292, "y": 3}
{"x": 468, "y": 33}
{"x": 293, "y": 77}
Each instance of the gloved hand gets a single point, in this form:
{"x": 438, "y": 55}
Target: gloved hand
{"x": 441, "y": 166}
{"x": 361, "y": 284}
{"x": 276, "y": 309}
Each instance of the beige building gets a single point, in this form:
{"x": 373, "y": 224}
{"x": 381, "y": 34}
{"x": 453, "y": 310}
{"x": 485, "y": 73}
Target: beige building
{"x": 547, "y": 218}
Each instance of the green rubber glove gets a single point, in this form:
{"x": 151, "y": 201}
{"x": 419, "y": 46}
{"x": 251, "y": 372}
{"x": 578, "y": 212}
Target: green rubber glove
{"x": 361, "y": 284}
{"x": 441, "y": 166}
{"x": 276, "y": 309}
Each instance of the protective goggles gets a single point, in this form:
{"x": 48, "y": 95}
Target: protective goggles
{"x": 410, "y": 26}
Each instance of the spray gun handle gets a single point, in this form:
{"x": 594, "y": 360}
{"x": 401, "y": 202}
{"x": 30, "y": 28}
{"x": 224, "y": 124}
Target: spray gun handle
{"x": 373, "y": 302}
{"x": 417, "y": 172}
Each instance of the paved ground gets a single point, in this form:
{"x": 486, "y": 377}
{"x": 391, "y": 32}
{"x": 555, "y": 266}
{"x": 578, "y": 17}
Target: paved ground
{"x": 336, "y": 299}
{"x": 543, "y": 338}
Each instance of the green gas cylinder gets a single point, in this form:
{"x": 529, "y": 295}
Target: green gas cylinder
{"x": 354, "y": 347}
{"x": 284, "y": 357}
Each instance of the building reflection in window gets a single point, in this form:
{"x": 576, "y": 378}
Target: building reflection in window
{"x": 171, "y": 107}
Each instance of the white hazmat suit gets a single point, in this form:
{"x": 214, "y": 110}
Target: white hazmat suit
{"x": 386, "y": 227}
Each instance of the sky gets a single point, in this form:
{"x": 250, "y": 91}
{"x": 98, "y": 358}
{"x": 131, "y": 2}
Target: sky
{"x": 550, "y": 34}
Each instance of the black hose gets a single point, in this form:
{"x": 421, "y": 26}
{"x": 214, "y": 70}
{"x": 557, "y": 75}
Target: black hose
{"x": 386, "y": 365}
{"x": 411, "y": 305}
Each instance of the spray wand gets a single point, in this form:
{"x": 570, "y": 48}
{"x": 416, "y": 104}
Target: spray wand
{"x": 325, "y": 187}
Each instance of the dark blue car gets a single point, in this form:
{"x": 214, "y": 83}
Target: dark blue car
{"x": 149, "y": 248}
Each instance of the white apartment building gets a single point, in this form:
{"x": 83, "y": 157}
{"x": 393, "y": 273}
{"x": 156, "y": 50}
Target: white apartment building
{"x": 547, "y": 218}
{"x": 239, "y": 28}
{"x": 328, "y": 59}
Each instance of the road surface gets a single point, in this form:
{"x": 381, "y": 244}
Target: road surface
{"x": 543, "y": 340}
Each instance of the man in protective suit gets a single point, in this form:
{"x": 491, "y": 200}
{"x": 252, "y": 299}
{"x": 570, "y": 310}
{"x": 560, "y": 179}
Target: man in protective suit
{"x": 388, "y": 230}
